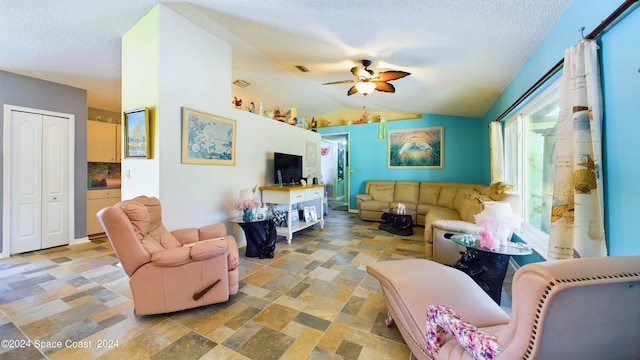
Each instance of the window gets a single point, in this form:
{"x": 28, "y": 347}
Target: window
{"x": 530, "y": 138}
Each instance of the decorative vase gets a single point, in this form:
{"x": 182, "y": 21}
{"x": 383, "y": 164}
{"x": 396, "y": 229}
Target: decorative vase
{"x": 248, "y": 215}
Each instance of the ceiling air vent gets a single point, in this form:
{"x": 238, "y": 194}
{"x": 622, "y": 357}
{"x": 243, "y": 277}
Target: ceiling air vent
{"x": 302, "y": 68}
{"x": 241, "y": 83}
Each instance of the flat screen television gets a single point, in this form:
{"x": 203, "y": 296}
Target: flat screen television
{"x": 288, "y": 166}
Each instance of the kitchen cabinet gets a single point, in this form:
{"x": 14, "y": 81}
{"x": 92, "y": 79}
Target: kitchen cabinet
{"x": 104, "y": 142}
{"x": 96, "y": 200}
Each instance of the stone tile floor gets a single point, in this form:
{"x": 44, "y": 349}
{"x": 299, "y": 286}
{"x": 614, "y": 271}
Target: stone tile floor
{"x": 313, "y": 300}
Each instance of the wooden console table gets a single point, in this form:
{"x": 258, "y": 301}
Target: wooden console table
{"x": 291, "y": 195}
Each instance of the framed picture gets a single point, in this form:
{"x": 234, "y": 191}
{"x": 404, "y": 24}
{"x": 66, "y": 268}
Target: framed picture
{"x": 416, "y": 148}
{"x": 310, "y": 214}
{"x": 207, "y": 139}
{"x": 136, "y": 130}
{"x": 311, "y": 154}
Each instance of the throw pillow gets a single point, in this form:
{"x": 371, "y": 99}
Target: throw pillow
{"x": 469, "y": 206}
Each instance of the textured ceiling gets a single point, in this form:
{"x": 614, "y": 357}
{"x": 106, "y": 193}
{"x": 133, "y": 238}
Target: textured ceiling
{"x": 461, "y": 54}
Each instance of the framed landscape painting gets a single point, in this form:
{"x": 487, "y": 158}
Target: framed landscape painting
{"x": 136, "y": 130}
{"x": 207, "y": 139}
{"x": 416, "y": 148}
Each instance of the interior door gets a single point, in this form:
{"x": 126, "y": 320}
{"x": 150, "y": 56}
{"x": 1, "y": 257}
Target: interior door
{"x": 39, "y": 176}
{"x": 26, "y": 178}
{"x": 55, "y": 181}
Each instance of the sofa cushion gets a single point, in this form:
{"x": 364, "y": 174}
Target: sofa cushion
{"x": 447, "y": 195}
{"x": 429, "y": 194}
{"x": 438, "y": 213}
{"x": 406, "y": 192}
{"x": 374, "y": 205}
{"x": 381, "y": 192}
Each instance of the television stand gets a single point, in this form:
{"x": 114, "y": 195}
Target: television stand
{"x": 294, "y": 194}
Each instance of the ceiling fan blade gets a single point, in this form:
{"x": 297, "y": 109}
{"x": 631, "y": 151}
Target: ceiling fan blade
{"x": 385, "y": 87}
{"x": 340, "y": 82}
{"x": 392, "y": 75}
{"x": 352, "y": 90}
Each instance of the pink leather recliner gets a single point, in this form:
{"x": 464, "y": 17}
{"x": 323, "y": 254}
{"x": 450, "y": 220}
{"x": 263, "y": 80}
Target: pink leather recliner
{"x": 569, "y": 309}
{"x": 170, "y": 271}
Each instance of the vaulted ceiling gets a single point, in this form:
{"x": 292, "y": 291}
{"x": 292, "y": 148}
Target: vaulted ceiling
{"x": 461, "y": 54}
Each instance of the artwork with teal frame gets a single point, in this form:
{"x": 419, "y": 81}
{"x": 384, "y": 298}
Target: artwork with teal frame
{"x": 136, "y": 139}
{"x": 420, "y": 148}
{"x": 207, "y": 139}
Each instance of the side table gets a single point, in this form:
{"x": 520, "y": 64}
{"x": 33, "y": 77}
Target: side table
{"x": 399, "y": 224}
{"x": 260, "y": 235}
{"x": 487, "y": 267}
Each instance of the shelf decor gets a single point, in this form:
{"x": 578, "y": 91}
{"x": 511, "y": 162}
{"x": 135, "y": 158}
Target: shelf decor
{"x": 415, "y": 148}
{"x": 207, "y": 139}
{"x": 136, "y": 134}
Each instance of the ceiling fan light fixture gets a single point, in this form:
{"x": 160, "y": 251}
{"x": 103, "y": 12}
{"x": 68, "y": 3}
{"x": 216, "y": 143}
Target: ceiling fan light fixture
{"x": 365, "y": 88}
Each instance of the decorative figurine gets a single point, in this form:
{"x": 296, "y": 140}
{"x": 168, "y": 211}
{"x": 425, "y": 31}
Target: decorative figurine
{"x": 278, "y": 115}
{"x": 237, "y": 102}
{"x": 252, "y": 108}
{"x": 314, "y": 124}
{"x": 262, "y": 112}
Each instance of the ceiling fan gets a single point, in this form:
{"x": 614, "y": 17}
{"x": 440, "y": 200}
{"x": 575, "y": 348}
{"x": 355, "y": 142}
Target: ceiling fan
{"x": 367, "y": 80}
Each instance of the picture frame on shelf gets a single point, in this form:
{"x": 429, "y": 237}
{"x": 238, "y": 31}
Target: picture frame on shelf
{"x": 310, "y": 214}
{"x": 420, "y": 148}
{"x": 137, "y": 133}
{"x": 207, "y": 139}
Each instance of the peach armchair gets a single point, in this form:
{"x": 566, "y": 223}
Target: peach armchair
{"x": 569, "y": 309}
{"x": 170, "y": 271}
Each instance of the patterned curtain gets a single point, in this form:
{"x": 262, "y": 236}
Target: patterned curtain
{"x": 577, "y": 225}
{"x": 497, "y": 151}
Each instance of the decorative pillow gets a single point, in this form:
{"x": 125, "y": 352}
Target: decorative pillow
{"x": 381, "y": 192}
{"x": 469, "y": 206}
{"x": 461, "y": 195}
{"x": 442, "y": 320}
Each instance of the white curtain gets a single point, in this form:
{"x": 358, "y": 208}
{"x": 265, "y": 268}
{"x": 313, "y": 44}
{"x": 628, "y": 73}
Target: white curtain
{"x": 577, "y": 225}
{"x": 497, "y": 151}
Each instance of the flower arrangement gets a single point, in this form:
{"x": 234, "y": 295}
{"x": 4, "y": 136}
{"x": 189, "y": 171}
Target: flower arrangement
{"x": 244, "y": 204}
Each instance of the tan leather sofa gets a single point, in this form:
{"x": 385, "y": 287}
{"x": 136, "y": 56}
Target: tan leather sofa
{"x": 568, "y": 309}
{"x": 431, "y": 201}
{"x": 170, "y": 271}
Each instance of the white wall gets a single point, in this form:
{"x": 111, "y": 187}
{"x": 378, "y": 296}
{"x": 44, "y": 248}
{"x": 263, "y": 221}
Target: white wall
{"x": 141, "y": 88}
{"x": 194, "y": 71}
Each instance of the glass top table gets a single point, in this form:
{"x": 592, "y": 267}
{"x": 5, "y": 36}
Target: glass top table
{"x": 512, "y": 248}
{"x": 394, "y": 211}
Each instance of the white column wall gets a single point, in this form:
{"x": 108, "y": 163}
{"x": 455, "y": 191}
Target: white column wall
{"x": 194, "y": 71}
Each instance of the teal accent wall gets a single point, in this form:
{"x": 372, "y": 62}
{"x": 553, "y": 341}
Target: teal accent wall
{"x": 620, "y": 63}
{"x": 620, "y": 56}
{"x": 466, "y": 152}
